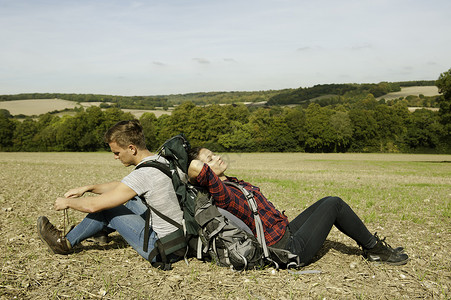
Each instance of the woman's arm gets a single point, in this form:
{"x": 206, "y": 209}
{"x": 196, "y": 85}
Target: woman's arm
{"x": 194, "y": 170}
{"x": 201, "y": 174}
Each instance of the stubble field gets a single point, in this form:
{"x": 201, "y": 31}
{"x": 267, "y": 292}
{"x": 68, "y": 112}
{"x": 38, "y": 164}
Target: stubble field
{"x": 42, "y": 106}
{"x": 403, "y": 197}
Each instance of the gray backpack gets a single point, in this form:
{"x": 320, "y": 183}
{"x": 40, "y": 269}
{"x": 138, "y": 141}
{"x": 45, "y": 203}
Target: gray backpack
{"x": 225, "y": 239}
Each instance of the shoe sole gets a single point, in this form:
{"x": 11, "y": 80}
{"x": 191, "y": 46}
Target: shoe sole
{"x": 397, "y": 263}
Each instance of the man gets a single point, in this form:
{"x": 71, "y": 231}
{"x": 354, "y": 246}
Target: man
{"x": 108, "y": 211}
{"x": 303, "y": 236}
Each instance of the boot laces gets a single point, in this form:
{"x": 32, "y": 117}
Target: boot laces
{"x": 53, "y": 231}
{"x": 383, "y": 241}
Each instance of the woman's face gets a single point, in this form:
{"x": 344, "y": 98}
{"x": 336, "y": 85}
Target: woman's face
{"x": 214, "y": 161}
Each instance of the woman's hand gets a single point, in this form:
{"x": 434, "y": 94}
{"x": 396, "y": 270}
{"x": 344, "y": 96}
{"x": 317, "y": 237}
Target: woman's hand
{"x": 194, "y": 170}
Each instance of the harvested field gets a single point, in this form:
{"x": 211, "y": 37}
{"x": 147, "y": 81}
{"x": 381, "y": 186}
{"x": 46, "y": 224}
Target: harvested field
{"x": 406, "y": 198}
{"x": 42, "y": 106}
{"x": 36, "y": 107}
{"x": 414, "y": 91}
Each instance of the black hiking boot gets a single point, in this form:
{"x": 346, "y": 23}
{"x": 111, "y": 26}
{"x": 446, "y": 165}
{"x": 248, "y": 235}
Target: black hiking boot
{"x": 53, "y": 237}
{"x": 382, "y": 252}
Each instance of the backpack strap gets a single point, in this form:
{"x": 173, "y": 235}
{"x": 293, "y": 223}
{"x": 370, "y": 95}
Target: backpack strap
{"x": 273, "y": 255}
{"x": 156, "y": 164}
{"x": 258, "y": 222}
{"x": 171, "y": 242}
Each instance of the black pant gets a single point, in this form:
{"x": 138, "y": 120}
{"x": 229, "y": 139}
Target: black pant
{"x": 310, "y": 229}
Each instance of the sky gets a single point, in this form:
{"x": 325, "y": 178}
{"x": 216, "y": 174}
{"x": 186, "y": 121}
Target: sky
{"x": 168, "y": 47}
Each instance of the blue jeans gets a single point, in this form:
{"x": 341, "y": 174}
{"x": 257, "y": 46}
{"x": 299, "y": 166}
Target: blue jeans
{"x": 127, "y": 219}
{"x": 310, "y": 229}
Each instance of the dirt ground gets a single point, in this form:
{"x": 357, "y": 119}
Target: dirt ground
{"x": 31, "y": 182}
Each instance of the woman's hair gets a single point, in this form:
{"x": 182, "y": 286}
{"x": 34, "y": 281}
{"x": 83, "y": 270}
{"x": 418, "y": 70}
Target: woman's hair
{"x": 193, "y": 153}
{"x": 126, "y": 133}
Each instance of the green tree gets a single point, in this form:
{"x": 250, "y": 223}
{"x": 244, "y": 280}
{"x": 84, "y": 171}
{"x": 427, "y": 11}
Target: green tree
{"x": 5, "y": 113}
{"x": 24, "y": 137}
{"x": 214, "y": 123}
{"x": 391, "y": 126}
{"x": 69, "y": 131}
{"x": 444, "y": 85}
{"x": 164, "y": 129}
{"x": 7, "y": 129}
{"x": 181, "y": 118}
{"x": 364, "y": 128}
{"x": 320, "y": 133}
{"x": 45, "y": 137}
{"x": 424, "y": 130}
{"x": 149, "y": 124}
{"x": 342, "y": 130}
{"x": 295, "y": 120}
{"x": 239, "y": 139}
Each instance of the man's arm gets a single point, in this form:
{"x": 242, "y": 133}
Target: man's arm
{"x": 120, "y": 194}
{"x": 95, "y": 188}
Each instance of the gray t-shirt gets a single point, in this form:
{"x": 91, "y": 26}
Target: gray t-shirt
{"x": 157, "y": 189}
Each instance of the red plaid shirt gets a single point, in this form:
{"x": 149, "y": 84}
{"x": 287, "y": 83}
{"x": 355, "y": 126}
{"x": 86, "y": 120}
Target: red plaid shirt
{"x": 234, "y": 201}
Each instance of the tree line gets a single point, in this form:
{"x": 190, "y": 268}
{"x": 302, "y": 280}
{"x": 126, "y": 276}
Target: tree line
{"x": 348, "y": 124}
{"x": 363, "y": 126}
{"x": 271, "y": 97}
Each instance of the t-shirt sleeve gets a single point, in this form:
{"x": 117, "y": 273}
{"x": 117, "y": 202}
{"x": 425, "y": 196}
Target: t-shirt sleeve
{"x": 136, "y": 180}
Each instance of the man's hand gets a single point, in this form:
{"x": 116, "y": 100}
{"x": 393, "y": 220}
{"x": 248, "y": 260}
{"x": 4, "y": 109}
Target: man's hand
{"x": 76, "y": 192}
{"x": 61, "y": 203}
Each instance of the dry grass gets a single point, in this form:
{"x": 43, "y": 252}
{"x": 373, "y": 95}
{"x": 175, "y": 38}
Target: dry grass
{"x": 404, "y": 197}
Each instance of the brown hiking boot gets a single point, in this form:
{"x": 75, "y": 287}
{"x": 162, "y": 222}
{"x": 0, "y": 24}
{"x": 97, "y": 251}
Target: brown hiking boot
{"x": 382, "y": 252}
{"x": 53, "y": 237}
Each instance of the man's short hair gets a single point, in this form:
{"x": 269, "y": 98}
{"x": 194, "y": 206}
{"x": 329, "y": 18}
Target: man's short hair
{"x": 125, "y": 133}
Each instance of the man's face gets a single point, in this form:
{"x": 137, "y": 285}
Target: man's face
{"x": 214, "y": 161}
{"x": 125, "y": 155}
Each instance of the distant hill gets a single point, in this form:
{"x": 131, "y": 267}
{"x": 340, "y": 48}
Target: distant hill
{"x": 324, "y": 94}
{"x": 302, "y": 95}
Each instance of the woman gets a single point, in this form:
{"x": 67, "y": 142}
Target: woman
{"x": 303, "y": 236}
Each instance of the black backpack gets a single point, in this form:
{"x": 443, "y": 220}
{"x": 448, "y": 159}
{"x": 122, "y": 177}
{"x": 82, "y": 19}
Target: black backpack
{"x": 175, "y": 151}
